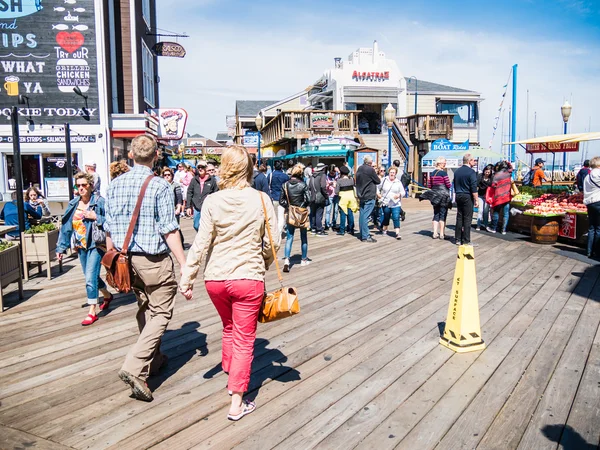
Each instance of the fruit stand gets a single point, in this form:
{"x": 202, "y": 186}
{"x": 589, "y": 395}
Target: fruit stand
{"x": 548, "y": 217}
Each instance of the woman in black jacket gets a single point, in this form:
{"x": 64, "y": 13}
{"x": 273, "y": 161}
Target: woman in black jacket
{"x": 484, "y": 181}
{"x": 295, "y": 192}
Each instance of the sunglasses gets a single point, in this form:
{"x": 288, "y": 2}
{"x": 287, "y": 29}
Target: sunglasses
{"x": 167, "y": 175}
{"x": 82, "y": 185}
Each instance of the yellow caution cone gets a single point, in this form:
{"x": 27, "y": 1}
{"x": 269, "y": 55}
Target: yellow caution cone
{"x": 462, "y": 332}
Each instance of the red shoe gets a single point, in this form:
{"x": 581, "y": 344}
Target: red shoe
{"x": 105, "y": 305}
{"x": 90, "y": 319}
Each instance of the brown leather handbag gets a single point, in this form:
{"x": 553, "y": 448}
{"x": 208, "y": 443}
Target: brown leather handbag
{"x": 283, "y": 302}
{"x": 297, "y": 216}
{"x": 117, "y": 264}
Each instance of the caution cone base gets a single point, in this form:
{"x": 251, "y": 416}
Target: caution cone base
{"x": 462, "y": 332}
{"x": 462, "y": 349}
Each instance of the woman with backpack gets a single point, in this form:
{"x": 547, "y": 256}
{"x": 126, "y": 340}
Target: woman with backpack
{"x": 484, "y": 181}
{"x": 295, "y": 193}
{"x": 348, "y": 203}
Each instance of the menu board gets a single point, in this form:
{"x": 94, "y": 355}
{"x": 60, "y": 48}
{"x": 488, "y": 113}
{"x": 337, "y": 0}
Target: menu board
{"x": 48, "y": 48}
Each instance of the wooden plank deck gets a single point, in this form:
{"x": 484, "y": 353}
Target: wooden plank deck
{"x": 360, "y": 367}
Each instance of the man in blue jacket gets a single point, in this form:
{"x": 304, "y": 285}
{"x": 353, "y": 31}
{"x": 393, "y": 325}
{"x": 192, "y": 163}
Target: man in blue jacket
{"x": 10, "y": 215}
{"x": 276, "y": 181}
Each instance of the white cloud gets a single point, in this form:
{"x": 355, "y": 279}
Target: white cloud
{"x": 267, "y": 60}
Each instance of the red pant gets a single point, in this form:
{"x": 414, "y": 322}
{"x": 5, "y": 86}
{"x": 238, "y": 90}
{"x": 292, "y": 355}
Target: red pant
{"x": 238, "y": 303}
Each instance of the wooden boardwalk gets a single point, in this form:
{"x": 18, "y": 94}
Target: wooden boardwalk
{"x": 360, "y": 367}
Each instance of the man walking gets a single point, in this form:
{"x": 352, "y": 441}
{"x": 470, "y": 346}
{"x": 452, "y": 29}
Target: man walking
{"x": 259, "y": 179}
{"x": 318, "y": 199}
{"x": 90, "y": 168}
{"x": 465, "y": 186}
{"x": 200, "y": 187}
{"x": 276, "y": 181}
{"x": 152, "y": 267}
{"x": 366, "y": 190}
{"x": 583, "y": 172}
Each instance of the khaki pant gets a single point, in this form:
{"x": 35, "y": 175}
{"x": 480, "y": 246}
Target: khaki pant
{"x": 155, "y": 287}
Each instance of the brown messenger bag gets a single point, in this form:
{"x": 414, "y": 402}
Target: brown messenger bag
{"x": 117, "y": 264}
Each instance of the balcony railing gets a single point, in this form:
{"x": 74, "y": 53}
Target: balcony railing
{"x": 306, "y": 124}
{"x": 429, "y": 127}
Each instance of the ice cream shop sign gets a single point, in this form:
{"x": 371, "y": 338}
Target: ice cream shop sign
{"x": 370, "y": 76}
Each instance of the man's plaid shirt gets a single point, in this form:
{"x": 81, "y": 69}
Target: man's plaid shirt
{"x": 157, "y": 214}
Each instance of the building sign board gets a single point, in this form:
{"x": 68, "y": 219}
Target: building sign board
{"x": 321, "y": 120}
{"x": 553, "y": 147}
{"x": 251, "y": 139}
{"x": 370, "y": 76}
{"x": 171, "y": 49}
{"x": 171, "y": 123}
{"x": 57, "y": 139}
{"x": 446, "y": 145}
{"x": 47, "y": 49}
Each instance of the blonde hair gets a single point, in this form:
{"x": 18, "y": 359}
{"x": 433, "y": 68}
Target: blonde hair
{"x": 143, "y": 149}
{"x": 595, "y": 162}
{"x": 87, "y": 176}
{"x": 439, "y": 161}
{"x": 118, "y": 168}
{"x": 236, "y": 168}
{"x": 394, "y": 168}
{"x": 298, "y": 170}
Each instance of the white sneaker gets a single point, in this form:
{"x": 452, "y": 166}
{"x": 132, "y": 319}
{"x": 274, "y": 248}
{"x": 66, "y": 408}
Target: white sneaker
{"x": 490, "y": 230}
{"x": 477, "y": 228}
{"x": 286, "y": 265}
{"x": 504, "y": 232}
{"x": 305, "y": 262}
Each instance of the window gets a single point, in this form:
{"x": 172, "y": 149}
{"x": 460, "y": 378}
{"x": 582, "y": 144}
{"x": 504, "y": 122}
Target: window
{"x": 465, "y": 113}
{"x": 148, "y": 74}
{"x": 146, "y": 12}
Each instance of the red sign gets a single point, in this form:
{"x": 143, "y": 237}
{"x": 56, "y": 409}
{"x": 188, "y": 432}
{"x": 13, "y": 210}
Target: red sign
{"x": 568, "y": 226}
{"x": 553, "y": 147}
{"x": 370, "y": 76}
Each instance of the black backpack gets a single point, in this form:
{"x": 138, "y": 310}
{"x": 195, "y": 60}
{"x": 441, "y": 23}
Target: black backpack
{"x": 528, "y": 178}
{"x": 405, "y": 179}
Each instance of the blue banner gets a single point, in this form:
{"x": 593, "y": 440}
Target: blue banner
{"x": 446, "y": 145}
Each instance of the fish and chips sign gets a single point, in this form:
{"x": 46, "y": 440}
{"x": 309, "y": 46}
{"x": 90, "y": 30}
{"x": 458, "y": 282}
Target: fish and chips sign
{"x": 553, "y": 147}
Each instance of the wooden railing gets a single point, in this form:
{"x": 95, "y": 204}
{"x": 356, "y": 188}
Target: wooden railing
{"x": 305, "y": 124}
{"x": 429, "y": 127}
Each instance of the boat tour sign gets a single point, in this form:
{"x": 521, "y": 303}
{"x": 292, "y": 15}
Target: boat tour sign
{"x": 446, "y": 145}
{"x": 48, "y": 48}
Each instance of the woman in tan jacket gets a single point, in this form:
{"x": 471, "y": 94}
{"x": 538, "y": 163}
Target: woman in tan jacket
{"x": 235, "y": 245}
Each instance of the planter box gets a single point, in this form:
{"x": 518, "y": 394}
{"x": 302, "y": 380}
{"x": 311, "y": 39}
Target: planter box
{"x": 10, "y": 270}
{"x": 40, "y": 248}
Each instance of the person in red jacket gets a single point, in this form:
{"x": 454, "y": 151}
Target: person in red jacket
{"x": 499, "y": 196}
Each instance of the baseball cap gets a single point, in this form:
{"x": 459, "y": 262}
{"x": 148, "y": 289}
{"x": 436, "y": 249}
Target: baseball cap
{"x": 201, "y": 164}
{"x": 539, "y": 160}
{"x": 91, "y": 163}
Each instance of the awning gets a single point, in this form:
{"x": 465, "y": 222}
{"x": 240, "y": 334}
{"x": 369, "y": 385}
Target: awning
{"x": 481, "y": 152}
{"x": 316, "y": 154}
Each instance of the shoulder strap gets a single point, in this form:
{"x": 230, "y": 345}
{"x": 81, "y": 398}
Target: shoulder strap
{"x": 136, "y": 214}
{"x": 279, "y": 277}
{"x": 285, "y": 188}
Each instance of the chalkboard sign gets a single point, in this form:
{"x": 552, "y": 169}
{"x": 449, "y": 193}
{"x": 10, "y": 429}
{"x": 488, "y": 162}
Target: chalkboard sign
{"x": 47, "y": 48}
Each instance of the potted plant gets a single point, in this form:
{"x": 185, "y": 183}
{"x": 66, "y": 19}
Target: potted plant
{"x": 10, "y": 268}
{"x": 39, "y": 246}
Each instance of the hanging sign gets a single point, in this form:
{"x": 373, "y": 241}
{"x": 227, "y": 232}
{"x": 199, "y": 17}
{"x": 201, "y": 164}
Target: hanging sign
{"x": 321, "y": 120}
{"x": 171, "y": 123}
{"x": 553, "y": 147}
{"x": 251, "y": 139}
{"x": 171, "y": 49}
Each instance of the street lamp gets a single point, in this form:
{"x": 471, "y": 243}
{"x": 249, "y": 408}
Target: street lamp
{"x": 259, "y": 124}
{"x": 565, "y": 110}
{"x": 390, "y": 114}
{"x": 416, "y": 92}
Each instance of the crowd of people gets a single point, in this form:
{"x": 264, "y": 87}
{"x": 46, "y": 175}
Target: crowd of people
{"x": 230, "y": 206}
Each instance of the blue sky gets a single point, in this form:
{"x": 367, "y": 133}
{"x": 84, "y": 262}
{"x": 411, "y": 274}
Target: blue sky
{"x": 269, "y": 50}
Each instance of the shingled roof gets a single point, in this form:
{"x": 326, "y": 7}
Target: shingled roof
{"x": 251, "y": 107}
{"x": 222, "y": 136}
{"x": 427, "y": 86}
